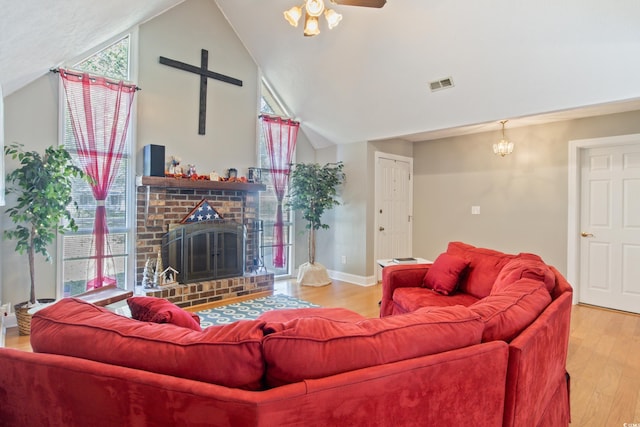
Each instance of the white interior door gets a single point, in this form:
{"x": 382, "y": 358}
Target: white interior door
{"x": 610, "y": 227}
{"x": 394, "y": 207}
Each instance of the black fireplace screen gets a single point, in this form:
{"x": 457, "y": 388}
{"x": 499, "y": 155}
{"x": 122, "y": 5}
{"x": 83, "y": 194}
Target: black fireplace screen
{"x": 205, "y": 251}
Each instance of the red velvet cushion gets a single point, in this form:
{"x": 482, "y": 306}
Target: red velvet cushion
{"x": 277, "y": 319}
{"x": 314, "y": 347}
{"x": 444, "y": 274}
{"x": 228, "y": 355}
{"x": 412, "y": 299}
{"x": 484, "y": 266}
{"x": 159, "y": 310}
{"x": 524, "y": 266}
{"x": 510, "y": 311}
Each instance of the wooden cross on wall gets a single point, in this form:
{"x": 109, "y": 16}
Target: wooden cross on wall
{"x": 205, "y": 74}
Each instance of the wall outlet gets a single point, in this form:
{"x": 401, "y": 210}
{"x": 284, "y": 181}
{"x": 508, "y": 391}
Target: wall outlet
{"x": 475, "y": 210}
{"x": 344, "y": 259}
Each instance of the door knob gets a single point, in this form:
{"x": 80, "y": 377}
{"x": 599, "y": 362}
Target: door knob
{"x": 381, "y": 229}
{"x": 585, "y": 234}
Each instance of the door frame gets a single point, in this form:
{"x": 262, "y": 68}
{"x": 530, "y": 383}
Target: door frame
{"x": 576, "y": 148}
{"x": 376, "y": 200}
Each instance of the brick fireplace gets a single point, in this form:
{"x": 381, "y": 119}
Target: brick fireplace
{"x": 164, "y": 201}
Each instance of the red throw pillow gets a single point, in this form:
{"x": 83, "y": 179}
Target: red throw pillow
{"x": 444, "y": 274}
{"x": 159, "y": 310}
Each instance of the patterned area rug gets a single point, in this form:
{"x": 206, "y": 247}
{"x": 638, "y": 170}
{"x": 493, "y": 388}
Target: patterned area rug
{"x": 249, "y": 310}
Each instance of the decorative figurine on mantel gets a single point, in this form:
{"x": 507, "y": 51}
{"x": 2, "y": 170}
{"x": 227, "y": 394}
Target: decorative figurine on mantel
{"x": 174, "y": 165}
{"x": 157, "y": 275}
{"x": 255, "y": 175}
{"x": 169, "y": 277}
{"x": 146, "y": 283}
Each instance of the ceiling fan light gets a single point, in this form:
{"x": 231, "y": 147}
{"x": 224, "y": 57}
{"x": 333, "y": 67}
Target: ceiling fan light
{"x": 293, "y": 15}
{"x": 333, "y": 18}
{"x": 315, "y": 7}
{"x": 311, "y": 26}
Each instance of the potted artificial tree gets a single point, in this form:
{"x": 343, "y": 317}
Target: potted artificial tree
{"x": 313, "y": 189}
{"x": 42, "y": 185}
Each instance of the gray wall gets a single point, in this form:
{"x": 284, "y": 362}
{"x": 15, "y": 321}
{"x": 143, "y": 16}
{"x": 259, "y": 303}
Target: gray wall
{"x": 522, "y": 197}
{"x": 351, "y": 233}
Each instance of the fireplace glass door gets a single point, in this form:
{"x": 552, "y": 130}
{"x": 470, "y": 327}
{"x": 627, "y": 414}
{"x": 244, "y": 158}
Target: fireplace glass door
{"x": 205, "y": 251}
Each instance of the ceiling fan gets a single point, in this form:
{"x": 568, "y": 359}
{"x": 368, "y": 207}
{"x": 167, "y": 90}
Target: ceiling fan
{"x": 364, "y": 3}
{"x": 315, "y": 8}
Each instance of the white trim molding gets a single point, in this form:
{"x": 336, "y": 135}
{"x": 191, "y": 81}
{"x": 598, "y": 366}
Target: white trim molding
{"x": 343, "y": 277}
{"x": 573, "y": 220}
{"x": 352, "y": 278}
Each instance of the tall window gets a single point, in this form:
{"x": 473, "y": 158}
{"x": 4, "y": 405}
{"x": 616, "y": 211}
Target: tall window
{"x": 77, "y": 263}
{"x": 268, "y": 200}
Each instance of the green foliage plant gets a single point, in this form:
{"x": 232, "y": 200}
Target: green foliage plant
{"x": 313, "y": 189}
{"x": 42, "y": 185}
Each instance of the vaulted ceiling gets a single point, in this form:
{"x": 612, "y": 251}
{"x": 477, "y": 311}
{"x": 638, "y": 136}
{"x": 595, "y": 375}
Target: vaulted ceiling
{"x": 368, "y": 79}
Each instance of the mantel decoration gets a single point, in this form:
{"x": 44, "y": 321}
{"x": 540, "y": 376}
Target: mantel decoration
{"x": 503, "y": 147}
{"x": 312, "y": 191}
{"x": 42, "y": 185}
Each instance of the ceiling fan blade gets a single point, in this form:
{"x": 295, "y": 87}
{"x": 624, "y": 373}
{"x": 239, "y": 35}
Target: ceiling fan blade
{"x": 364, "y": 3}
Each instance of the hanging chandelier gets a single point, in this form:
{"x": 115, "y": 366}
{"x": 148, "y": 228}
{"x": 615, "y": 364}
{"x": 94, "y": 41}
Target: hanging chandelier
{"x": 312, "y": 10}
{"x": 503, "y": 147}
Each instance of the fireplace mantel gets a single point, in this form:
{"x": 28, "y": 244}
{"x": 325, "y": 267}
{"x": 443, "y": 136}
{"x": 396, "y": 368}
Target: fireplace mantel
{"x": 157, "y": 181}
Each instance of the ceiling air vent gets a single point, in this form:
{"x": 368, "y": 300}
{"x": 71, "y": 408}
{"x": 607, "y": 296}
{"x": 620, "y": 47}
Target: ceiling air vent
{"x": 441, "y": 84}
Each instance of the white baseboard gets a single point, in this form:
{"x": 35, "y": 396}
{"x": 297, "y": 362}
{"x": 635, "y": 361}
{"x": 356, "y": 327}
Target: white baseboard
{"x": 346, "y": 277}
{"x": 352, "y": 278}
{"x": 10, "y": 321}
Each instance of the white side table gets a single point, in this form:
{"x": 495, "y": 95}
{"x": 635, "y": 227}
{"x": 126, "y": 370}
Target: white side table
{"x": 389, "y": 261}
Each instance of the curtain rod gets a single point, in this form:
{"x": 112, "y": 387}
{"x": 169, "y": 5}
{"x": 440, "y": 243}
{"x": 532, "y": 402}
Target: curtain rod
{"x": 57, "y": 70}
{"x": 276, "y": 116}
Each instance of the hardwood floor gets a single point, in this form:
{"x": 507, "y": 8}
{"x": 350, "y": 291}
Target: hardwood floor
{"x": 603, "y": 360}
{"x": 604, "y": 364}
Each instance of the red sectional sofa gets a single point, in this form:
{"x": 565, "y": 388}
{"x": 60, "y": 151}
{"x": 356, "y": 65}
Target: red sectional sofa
{"x": 433, "y": 365}
{"x": 522, "y": 302}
